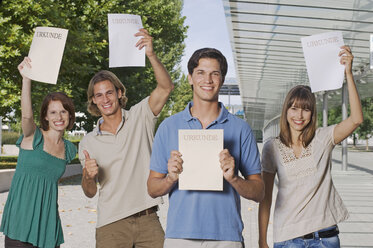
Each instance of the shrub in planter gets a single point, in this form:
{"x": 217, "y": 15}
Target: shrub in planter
{"x": 9, "y": 138}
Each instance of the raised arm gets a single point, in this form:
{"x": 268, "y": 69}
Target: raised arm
{"x": 265, "y": 209}
{"x": 28, "y": 124}
{"x": 160, "y": 94}
{"x": 346, "y": 127}
{"x": 251, "y": 187}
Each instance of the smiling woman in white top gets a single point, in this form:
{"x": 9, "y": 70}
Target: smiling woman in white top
{"x": 308, "y": 206}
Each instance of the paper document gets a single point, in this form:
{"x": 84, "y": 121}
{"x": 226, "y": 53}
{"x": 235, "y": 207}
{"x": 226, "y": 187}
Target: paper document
{"x": 200, "y": 150}
{"x": 122, "y": 41}
{"x": 46, "y": 53}
{"x": 325, "y": 71}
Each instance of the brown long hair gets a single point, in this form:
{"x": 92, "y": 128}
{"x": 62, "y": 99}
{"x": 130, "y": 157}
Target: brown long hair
{"x": 303, "y": 98}
{"x": 67, "y": 104}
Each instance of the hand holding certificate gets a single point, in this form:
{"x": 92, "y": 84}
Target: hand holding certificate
{"x": 325, "y": 71}
{"x": 200, "y": 151}
{"x": 46, "y": 53}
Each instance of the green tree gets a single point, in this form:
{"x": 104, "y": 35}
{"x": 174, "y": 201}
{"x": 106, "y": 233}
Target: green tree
{"x": 178, "y": 100}
{"x": 365, "y": 130}
{"x": 181, "y": 95}
{"x": 334, "y": 116}
{"x": 86, "y": 50}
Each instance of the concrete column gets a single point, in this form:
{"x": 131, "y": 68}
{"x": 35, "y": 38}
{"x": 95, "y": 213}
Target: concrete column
{"x": 325, "y": 109}
{"x": 344, "y": 117}
{"x": 325, "y": 116}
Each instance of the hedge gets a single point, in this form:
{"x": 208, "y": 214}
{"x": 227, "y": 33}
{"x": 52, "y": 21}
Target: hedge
{"x": 9, "y": 138}
{"x": 8, "y": 159}
{"x": 10, "y": 162}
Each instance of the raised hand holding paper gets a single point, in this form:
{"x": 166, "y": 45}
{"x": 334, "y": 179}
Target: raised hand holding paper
{"x": 122, "y": 41}
{"x": 200, "y": 152}
{"x": 325, "y": 71}
{"x": 46, "y": 53}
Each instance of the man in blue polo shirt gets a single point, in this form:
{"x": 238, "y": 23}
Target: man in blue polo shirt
{"x": 206, "y": 218}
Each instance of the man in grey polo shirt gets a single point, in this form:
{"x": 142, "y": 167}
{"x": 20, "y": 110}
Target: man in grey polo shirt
{"x": 117, "y": 154}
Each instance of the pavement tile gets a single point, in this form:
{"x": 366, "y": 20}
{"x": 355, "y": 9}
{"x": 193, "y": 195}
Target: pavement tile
{"x": 78, "y": 213}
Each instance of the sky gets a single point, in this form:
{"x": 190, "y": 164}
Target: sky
{"x": 208, "y": 28}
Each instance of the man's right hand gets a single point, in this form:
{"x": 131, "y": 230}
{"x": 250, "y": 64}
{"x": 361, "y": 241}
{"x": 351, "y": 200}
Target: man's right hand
{"x": 175, "y": 166}
{"x": 90, "y": 169}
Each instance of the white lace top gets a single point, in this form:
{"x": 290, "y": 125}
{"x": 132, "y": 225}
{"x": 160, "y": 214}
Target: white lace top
{"x": 306, "y": 200}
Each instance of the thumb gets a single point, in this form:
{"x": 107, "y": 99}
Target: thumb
{"x": 86, "y": 154}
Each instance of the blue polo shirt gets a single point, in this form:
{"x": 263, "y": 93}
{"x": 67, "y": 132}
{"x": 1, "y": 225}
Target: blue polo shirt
{"x": 213, "y": 215}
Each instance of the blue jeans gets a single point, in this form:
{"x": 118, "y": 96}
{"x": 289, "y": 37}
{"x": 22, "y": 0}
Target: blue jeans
{"x": 316, "y": 242}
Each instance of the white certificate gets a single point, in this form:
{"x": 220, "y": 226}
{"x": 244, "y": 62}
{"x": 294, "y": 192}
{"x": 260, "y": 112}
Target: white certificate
{"x": 200, "y": 150}
{"x": 325, "y": 71}
{"x": 46, "y": 53}
{"x": 122, "y": 41}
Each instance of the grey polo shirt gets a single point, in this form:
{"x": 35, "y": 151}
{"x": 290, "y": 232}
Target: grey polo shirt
{"x": 123, "y": 159}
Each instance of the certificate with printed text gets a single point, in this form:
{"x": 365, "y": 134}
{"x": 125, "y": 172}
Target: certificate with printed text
{"x": 325, "y": 72}
{"x": 122, "y": 41}
{"x": 200, "y": 150}
{"x": 46, "y": 53}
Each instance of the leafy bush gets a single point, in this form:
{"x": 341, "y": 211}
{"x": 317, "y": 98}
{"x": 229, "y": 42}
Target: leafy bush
{"x": 75, "y": 161}
{"x": 9, "y": 138}
{"x": 4, "y": 166}
{"x": 9, "y": 159}
{"x": 8, "y": 162}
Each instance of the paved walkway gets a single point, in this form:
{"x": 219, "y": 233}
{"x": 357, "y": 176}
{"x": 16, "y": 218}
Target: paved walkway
{"x": 356, "y": 189}
{"x": 78, "y": 213}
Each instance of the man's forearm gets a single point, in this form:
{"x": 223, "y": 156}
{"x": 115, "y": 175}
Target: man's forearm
{"x": 161, "y": 74}
{"x": 159, "y": 186}
{"x": 252, "y": 189}
{"x": 160, "y": 94}
{"x": 89, "y": 185}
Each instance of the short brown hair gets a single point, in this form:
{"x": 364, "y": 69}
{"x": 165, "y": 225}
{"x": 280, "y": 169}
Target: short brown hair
{"x": 303, "y": 98}
{"x": 99, "y": 77}
{"x": 210, "y": 53}
{"x": 67, "y": 104}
